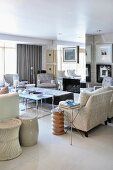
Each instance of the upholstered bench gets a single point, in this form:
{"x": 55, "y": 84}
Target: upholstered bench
{"x": 9, "y": 139}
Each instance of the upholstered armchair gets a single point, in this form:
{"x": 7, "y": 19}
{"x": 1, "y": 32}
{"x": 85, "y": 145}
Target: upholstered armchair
{"x": 10, "y": 78}
{"x": 107, "y": 81}
{"x": 45, "y": 80}
{"x": 13, "y": 80}
{"x": 94, "y": 109}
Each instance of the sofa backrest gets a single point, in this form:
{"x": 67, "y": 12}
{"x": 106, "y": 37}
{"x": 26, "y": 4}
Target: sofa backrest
{"x": 84, "y": 96}
{"x": 100, "y": 102}
{"x": 9, "y": 106}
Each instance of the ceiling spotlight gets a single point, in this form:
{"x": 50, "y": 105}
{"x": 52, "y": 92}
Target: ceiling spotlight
{"x": 99, "y": 30}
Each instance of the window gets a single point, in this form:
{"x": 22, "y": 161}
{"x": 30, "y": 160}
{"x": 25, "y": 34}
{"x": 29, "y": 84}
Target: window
{"x": 8, "y": 58}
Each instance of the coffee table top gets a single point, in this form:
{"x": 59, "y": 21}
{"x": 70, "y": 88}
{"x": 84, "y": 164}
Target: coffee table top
{"x": 49, "y": 91}
{"x": 34, "y": 96}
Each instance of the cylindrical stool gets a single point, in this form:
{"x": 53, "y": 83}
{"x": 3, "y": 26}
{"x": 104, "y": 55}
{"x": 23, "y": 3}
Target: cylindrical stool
{"x": 57, "y": 122}
{"x": 29, "y": 130}
{"x": 9, "y": 139}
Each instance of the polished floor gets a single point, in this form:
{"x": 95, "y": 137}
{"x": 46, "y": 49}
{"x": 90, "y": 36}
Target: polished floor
{"x": 55, "y": 152}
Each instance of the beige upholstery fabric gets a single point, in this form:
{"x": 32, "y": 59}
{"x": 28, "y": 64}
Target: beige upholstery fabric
{"x": 110, "y": 113}
{"x": 9, "y": 106}
{"x": 93, "y": 113}
{"x": 83, "y": 98}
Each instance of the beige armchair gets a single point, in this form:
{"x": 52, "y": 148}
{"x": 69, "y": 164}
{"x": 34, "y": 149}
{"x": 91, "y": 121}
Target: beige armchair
{"x": 94, "y": 108}
{"x": 45, "y": 80}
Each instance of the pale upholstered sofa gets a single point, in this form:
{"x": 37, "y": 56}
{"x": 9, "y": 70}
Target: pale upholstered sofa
{"x": 94, "y": 110}
{"x": 9, "y": 106}
{"x": 107, "y": 88}
{"x": 110, "y": 114}
{"x": 9, "y": 126}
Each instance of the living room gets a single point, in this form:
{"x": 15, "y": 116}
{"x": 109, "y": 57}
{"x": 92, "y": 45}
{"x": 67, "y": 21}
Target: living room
{"x": 52, "y": 26}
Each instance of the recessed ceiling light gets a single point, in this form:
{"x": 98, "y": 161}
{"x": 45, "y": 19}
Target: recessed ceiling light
{"x": 99, "y": 30}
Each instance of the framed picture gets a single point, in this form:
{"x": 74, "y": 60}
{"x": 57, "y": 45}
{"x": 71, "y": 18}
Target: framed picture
{"x": 104, "y": 53}
{"x": 69, "y": 54}
{"x": 88, "y": 53}
{"x": 103, "y": 70}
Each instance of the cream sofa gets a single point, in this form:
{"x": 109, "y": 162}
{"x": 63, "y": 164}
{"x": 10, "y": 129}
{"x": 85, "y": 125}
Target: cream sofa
{"x": 103, "y": 89}
{"x": 9, "y": 106}
{"x": 94, "y": 110}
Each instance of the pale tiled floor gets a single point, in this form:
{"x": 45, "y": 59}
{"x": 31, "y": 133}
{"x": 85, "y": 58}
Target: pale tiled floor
{"x": 55, "y": 152}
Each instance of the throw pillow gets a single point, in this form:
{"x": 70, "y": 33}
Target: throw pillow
{"x": 4, "y": 90}
{"x": 83, "y": 98}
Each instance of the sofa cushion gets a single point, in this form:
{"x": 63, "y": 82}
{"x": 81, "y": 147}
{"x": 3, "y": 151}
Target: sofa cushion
{"x": 4, "y": 90}
{"x": 47, "y": 85}
{"x": 83, "y": 98}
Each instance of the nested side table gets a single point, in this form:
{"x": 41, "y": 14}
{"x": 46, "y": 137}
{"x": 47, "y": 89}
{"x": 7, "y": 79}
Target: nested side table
{"x": 9, "y": 139}
{"x": 29, "y": 130}
{"x": 64, "y": 107}
{"x": 57, "y": 122}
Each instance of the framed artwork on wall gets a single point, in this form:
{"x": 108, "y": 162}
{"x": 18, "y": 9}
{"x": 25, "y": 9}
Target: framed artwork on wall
{"x": 103, "y": 70}
{"x": 69, "y": 54}
{"x": 49, "y": 56}
{"x": 104, "y": 53}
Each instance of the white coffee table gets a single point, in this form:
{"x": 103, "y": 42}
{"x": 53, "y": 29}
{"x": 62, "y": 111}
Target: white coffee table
{"x": 36, "y": 98}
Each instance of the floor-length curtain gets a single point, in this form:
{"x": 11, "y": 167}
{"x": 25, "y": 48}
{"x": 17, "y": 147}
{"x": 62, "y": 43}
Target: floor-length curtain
{"x": 29, "y": 61}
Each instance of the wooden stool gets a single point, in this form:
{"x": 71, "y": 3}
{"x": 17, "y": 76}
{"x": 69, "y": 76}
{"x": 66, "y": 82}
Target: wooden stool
{"x": 57, "y": 123}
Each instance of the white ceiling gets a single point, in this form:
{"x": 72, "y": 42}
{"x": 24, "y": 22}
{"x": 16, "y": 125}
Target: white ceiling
{"x": 66, "y": 20}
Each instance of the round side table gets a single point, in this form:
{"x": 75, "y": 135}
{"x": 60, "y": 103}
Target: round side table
{"x": 29, "y": 130}
{"x": 9, "y": 139}
{"x": 57, "y": 123}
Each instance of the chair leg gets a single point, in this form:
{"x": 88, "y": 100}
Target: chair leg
{"x": 109, "y": 120}
{"x": 105, "y": 122}
{"x": 86, "y": 134}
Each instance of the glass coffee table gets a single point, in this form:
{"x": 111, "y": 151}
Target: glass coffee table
{"x": 36, "y": 98}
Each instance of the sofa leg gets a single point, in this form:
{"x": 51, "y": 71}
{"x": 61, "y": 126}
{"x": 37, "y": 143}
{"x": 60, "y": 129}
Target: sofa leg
{"x": 86, "y": 134}
{"x": 109, "y": 120}
{"x": 105, "y": 122}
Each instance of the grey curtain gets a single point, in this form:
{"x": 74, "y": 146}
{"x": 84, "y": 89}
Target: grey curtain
{"x": 29, "y": 61}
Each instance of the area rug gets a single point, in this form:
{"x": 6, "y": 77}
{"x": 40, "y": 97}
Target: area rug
{"x": 42, "y": 111}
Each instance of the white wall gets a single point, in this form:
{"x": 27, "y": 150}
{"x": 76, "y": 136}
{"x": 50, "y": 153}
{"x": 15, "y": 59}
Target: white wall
{"x": 93, "y": 40}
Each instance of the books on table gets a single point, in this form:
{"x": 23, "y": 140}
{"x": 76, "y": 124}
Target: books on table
{"x": 69, "y": 103}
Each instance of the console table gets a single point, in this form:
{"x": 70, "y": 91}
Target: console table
{"x": 73, "y": 85}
